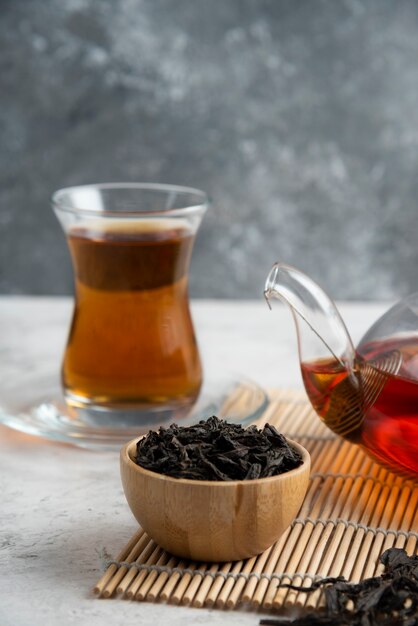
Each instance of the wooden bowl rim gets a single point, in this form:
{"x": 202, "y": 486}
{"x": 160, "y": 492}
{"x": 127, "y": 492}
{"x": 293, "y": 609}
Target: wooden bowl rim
{"x": 126, "y": 459}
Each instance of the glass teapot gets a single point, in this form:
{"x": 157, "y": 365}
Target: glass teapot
{"x": 368, "y": 395}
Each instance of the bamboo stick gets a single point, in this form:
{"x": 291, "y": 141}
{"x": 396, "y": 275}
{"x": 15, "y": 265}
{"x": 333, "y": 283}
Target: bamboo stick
{"x": 254, "y": 565}
{"x": 275, "y": 595}
{"x": 287, "y": 419}
{"x": 333, "y": 558}
{"x": 356, "y": 551}
{"x": 149, "y": 579}
{"x": 227, "y": 586}
{"x": 154, "y": 592}
{"x": 364, "y": 539}
{"x": 280, "y": 556}
{"x": 393, "y": 520}
{"x": 412, "y": 542}
{"x": 362, "y": 490}
{"x": 203, "y": 590}
{"x": 216, "y": 588}
{"x": 171, "y": 583}
{"x": 329, "y": 506}
{"x": 143, "y": 558}
{"x": 306, "y": 543}
{"x": 254, "y": 590}
{"x": 294, "y": 419}
{"x": 131, "y": 573}
{"x": 132, "y": 556}
{"x": 406, "y": 524}
{"x": 318, "y": 540}
{"x": 282, "y": 564}
{"x": 194, "y": 585}
{"x": 123, "y": 554}
{"x": 285, "y": 544}
{"x": 276, "y": 566}
{"x": 376, "y": 540}
{"x": 177, "y": 595}
{"x": 320, "y": 547}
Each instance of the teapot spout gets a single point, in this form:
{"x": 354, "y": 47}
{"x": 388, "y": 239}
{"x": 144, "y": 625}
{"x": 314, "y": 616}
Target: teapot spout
{"x": 321, "y": 331}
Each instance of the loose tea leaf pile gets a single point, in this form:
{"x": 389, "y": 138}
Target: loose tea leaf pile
{"x": 387, "y": 600}
{"x": 216, "y": 450}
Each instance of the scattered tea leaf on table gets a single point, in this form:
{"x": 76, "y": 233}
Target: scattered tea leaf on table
{"x": 387, "y": 600}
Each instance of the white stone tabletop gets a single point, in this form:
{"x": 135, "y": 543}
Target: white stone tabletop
{"x": 61, "y": 505}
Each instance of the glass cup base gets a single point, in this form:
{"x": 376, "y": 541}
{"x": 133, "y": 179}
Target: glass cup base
{"x": 40, "y": 409}
{"x": 122, "y": 417}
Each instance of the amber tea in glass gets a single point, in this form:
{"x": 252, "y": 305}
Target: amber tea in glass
{"x": 131, "y": 351}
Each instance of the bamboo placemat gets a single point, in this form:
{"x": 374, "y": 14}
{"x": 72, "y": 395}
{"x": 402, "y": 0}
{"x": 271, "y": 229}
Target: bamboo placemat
{"x": 353, "y": 511}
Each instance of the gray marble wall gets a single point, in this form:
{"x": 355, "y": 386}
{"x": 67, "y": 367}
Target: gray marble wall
{"x": 299, "y": 117}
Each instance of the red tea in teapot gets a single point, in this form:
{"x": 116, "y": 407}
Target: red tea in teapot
{"x": 383, "y": 417}
{"x": 368, "y": 395}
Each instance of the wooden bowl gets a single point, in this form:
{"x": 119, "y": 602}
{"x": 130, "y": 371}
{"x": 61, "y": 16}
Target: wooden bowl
{"x": 207, "y": 520}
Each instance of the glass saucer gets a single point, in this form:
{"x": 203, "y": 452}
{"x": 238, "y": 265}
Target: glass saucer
{"x": 35, "y": 405}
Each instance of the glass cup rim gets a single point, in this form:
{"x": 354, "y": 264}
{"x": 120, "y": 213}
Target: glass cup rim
{"x": 59, "y": 205}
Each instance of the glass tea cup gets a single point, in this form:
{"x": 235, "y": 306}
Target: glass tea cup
{"x": 131, "y": 358}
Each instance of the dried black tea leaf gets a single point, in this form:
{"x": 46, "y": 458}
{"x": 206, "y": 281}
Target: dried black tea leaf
{"x": 387, "y": 600}
{"x": 217, "y": 450}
